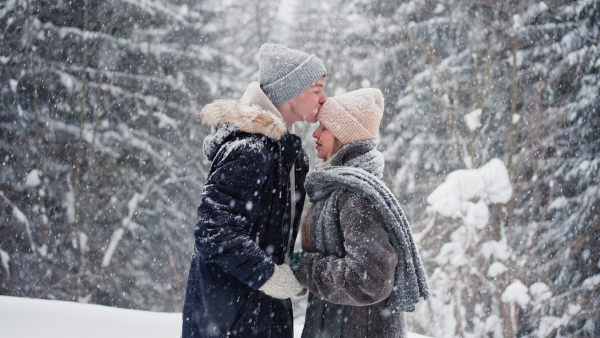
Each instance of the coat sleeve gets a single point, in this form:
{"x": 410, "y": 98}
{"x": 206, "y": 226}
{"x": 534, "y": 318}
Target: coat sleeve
{"x": 232, "y": 203}
{"x": 365, "y": 275}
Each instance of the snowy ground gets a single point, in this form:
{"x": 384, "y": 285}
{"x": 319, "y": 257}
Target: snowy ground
{"x": 26, "y": 317}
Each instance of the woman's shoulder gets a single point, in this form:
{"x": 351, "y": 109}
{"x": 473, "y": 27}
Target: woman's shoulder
{"x": 353, "y": 201}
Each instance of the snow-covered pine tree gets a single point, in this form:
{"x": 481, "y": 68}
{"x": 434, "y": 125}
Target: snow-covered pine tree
{"x": 466, "y": 82}
{"x": 100, "y": 147}
{"x": 557, "y": 219}
{"x": 243, "y": 27}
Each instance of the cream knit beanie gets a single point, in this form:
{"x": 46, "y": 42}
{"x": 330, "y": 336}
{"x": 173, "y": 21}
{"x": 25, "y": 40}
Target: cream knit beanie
{"x": 353, "y": 116}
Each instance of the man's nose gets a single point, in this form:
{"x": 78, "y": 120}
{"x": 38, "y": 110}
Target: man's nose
{"x": 323, "y": 98}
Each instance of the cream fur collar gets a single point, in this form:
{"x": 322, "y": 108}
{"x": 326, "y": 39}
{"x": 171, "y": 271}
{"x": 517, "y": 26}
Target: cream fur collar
{"x": 253, "y": 113}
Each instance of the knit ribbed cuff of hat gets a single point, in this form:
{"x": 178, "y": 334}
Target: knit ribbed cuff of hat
{"x": 294, "y": 83}
{"x": 343, "y": 125}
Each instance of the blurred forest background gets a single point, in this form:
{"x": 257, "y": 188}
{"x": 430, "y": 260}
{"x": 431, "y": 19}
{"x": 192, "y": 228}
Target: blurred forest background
{"x": 101, "y": 163}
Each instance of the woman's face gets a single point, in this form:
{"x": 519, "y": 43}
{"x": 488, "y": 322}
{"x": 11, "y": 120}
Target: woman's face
{"x": 325, "y": 142}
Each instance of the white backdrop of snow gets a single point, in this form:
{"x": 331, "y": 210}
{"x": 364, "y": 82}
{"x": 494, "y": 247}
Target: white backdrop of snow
{"x": 60, "y": 319}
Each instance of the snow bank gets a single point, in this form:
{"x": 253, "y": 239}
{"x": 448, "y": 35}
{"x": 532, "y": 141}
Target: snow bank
{"x": 26, "y": 317}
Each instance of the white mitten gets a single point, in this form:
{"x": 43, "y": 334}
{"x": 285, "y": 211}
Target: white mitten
{"x": 282, "y": 284}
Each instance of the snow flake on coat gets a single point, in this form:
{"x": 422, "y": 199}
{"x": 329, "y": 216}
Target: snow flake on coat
{"x": 348, "y": 195}
{"x": 244, "y": 223}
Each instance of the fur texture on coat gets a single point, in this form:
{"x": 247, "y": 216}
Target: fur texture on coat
{"x": 244, "y": 226}
{"x": 364, "y": 255}
{"x": 248, "y": 118}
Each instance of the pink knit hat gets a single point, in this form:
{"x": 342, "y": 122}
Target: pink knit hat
{"x": 353, "y": 116}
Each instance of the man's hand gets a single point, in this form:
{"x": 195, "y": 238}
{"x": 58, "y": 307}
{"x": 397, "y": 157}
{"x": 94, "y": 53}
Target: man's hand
{"x": 282, "y": 284}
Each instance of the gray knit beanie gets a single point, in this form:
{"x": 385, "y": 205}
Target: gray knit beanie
{"x": 285, "y": 72}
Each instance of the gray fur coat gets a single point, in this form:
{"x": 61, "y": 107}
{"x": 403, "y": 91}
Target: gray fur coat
{"x": 365, "y": 270}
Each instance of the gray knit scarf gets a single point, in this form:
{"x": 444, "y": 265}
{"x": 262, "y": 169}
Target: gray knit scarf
{"x": 358, "y": 168}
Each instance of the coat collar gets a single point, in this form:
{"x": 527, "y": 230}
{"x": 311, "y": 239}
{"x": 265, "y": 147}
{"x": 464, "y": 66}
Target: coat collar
{"x": 253, "y": 113}
{"x": 351, "y": 151}
{"x": 360, "y": 154}
{"x": 254, "y": 96}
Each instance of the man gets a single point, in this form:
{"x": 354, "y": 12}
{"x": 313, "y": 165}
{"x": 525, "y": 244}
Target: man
{"x": 239, "y": 284}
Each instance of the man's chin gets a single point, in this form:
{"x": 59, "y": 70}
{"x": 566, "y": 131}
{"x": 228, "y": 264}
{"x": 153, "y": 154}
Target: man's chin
{"x": 311, "y": 118}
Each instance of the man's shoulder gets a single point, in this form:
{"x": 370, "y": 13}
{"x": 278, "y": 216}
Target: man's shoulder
{"x": 249, "y": 145}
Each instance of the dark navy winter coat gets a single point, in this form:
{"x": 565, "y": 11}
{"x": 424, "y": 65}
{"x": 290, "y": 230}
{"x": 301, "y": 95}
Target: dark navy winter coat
{"x": 243, "y": 227}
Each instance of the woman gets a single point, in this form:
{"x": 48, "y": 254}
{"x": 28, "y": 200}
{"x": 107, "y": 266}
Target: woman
{"x": 359, "y": 262}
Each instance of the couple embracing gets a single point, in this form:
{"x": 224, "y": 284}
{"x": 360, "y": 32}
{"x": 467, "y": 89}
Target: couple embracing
{"x": 358, "y": 259}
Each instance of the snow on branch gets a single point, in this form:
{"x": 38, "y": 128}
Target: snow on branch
{"x": 127, "y": 223}
{"x": 591, "y": 282}
{"x": 112, "y": 246}
{"x": 20, "y": 216}
{"x": 152, "y": 7}
{"x": 516, "y": 292}
{"x": 455, "y": 197}
{"x": 5, "y": 259}
{"x": 473, "y": 119}
{"x": 203, "y": 53}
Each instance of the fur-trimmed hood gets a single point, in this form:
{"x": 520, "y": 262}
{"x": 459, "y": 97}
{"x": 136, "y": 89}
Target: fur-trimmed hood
{"x": 246, "y": 118}
{"x": 251, "y": 114}
{"x": 247, "y": 221}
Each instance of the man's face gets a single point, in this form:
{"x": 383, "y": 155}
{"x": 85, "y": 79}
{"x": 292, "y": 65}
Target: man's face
{"x": 306, "y": 105}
